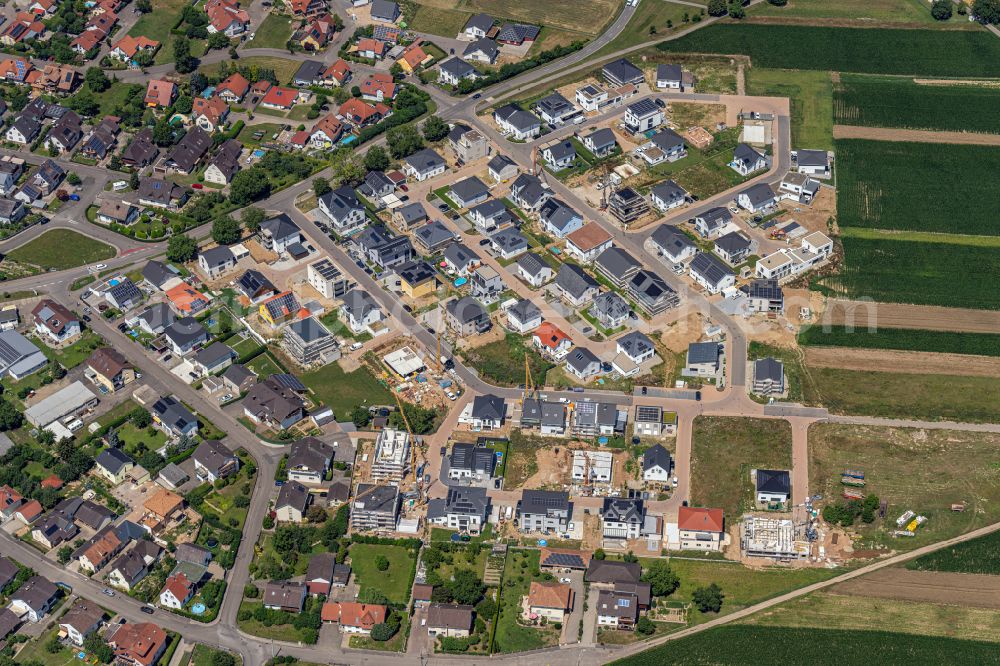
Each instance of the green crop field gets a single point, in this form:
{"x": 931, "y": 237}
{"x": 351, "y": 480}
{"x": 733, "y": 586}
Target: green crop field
{"x": 885, "y": 101}
{"x": 917, "y": 186}
{"x": 921, "y": 273}
{"x": 962, "y": 53}
{"x": 896, "y": 11}
{"x": 982, "y": 344}
{"x": 979, "y": 556}
{"x": 732, "y": 645}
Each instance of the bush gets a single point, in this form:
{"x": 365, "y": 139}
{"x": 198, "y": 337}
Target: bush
{"x": 383, "y": 632}
{"x": 941, "y": 10}
{"x": 708, "y": 599}
{"x": 381, "y": 563}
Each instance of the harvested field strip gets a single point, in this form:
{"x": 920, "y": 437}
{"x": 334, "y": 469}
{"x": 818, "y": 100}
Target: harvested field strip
{"x": 974, "y": 53}
{"x": 883, "y": 101}
{"x": 899, "y": 185}
{"x": 935, "y": 397}
{"x": 904, "y": 362}
{"x": 915, "y": 135}
{"x": 980, "y": 344}
{"x": 731, "y": 645}
{"x": 843, "y": 611}
{"x": 896, "y": 315}
{"x": 978, "y": 556}
{"x": 920, "y": 273}
{"x": 921, "y": 236}
{"x": 949, "y": 588}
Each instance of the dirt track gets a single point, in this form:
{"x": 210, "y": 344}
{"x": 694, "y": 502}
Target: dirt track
{"x": 921, "y": 136}
{"x": 946, "y": 588}
{"x": 906, "y": 362}
{"x": 896, "y": 315}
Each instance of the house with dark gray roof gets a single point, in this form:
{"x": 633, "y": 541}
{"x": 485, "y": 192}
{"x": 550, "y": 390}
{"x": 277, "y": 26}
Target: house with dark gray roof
{"x": 712, "y": 221}
{"x": 483, "y": 49}
{"x": 455, "y": 70}
{"x": 601, "y": 141}
{"x": 672, "y": 243}
{"x": 501, "y": 168}
{"x": 746, "y": 160}
{"x": 583, "y": 364}
{"x": 293, "y": 499}
{"x": 468, "y": 192}
{"x": 621, "y": 72}
{"x": 524, "y": 316}
{"x": 667, "y": 195}
{"x": 575, "y": 286}
{"x": 255, "y": 286}
{"x": 528, "y": 192}
{"x": 309, "y": 460}
{"x": 34, "y": 598}
{"x": 768, "y": 376}
{"x": 544, "y": 511}
{"x": 517, "y": 123}
{"x": 610, "y": 310}
{"x": 490, "y": 215}
{"x": 548, "y": 417}
{"x": 185, "y": 334}
{"x": 359, "y": 310}
{"x": 308, "y": 342}
{"x": 189, "y": 151}
{"x": 173, "y": 417}
{"x": 669, "y": 77}
{"x": 156, "y": 274}
{"x": 642, "y": 116}
{"x": 461, "y": 259}
{"x": 637, "y": 346}
{"x": 124, "y": 295}
{"x": 433, "y": 236}
{"x": 773, "y": 486}
{"x": 558, "y": 218}
{"x": 225, "y": 164}
{"x": 467, "y": 316}
{"x": 702, "y": 359}
{"x": 757, "y": 198}
{"x": 765, "y": 296}
{"x": 708, "y": 271}
{"x": 216, "y": 261}
{"x": 623, "y": 518}
{"x": 617, "y": 265}
{"x": 508, "y": 243}
{"x": 342, "y": 208}
{"x": 468, "y": 461}
{"x": 213, "y": 460}
{"x": 478, "y": 25}
{"x": 533, "y": 269}
{"x": 559, "y": 155}
{"x": 656, "y": 464}
{"x": 375, "y": 508}
{"x": 733, "y": 247}
{"x": 813, "y": 162}
{"x": 463, "y": 509}
{"x": 408, "y": 216}
{"x": 591, "y": 419}
{"x": 555, "y": 109}
{"x": 651, "y": 292}
{"x": 485, "y": 412}
{"x": 424, "y": 164}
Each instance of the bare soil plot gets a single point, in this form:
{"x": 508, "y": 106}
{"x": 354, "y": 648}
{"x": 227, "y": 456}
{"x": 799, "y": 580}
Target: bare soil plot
{"x": 921, "y": 136}
{"x": 897, "y": 315}
{"x": 925, "y": 471}
{"x": 844, "y": 610}
{"x": 689, "y": 114}
{"x": 933, "y": 586}
{"x": 907, "y": 362}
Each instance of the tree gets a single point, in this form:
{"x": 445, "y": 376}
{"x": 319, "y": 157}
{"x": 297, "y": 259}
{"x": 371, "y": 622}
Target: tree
{"x": 140, "y": 418}
{"x": 184, "y": 104}
{"x": 435, "y": 129}
{"x": 133, "y": 180}
{"x": 321, "y": 186}
{"x": 252, "y": 218}
{"x": 941, "y": 10}
{"x": 220, "y": 658}
{"x": 249, "y": 185}
{"x": 736, "y": 10}
{"x": 355, "y": 91}
{"x": 717, "y": 7}
{"x": 184, "y": 62}
{"x": 403, "y": 140}
{"x": 218, "y": 40}
{"x": 778, "y": 3}
{"x": 96, "y": 647}
{"x": 144, "y": 6}
{"x": 72, "y": 178}
{"x": 10, "y": 418}
{"x": 316, "y": 514}
{"x": 599, "y": 554}
{"x": 383, "y": 632}
{"x": 662, "y": 580}
{"x": 376, "y": 159}
{"x": 645, "y": 626}
{"x": 708, "y": 599}
{"x": 381, "y": 563}
{"x": 630, "y": 557}
{"x": 226, "y": 231}
{"x": 466, "y": 588}
{"x": 64, "y": 554}
{"x": 361, "y": 417}
{"x": 181, "y": 248}
{"x": 987, "y": 11}
{"x": 97, "y": 80}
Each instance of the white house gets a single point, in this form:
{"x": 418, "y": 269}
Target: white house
{"x": 643, "y": 116}
{"x": 746, "y": 160}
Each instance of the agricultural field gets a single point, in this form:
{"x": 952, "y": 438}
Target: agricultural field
{"x": 823, "y": 610}
{"x": 982, "y": 344}
{"x": 925, "y": 471}
{"x": 900, "y": 271}
{"x": 870, "y": 11}
{"x": 961, "y": 53}
{"x": 884, "y": 101}
{"x": 900, "y": 185}
{"x": 932, "y": 397}
{"x": 158, "y": 23}
{"x": 60, "y": 249}
{"x": 730, "y": 645}
{"x": 978, "y": 556}
{"x": 725, "y": 449}
{"x": 811, "y": 98}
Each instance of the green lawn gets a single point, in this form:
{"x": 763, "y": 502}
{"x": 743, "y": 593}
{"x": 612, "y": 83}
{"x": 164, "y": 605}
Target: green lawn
{"x": 131, "y": 437}
{"x": 811, "y": 97}
{"x": 502, "y": 362}
{"x": 393, "y": 583}
{"x": 279, "y": 632}
{"x": 344, "y": 391}
{"x": 35, "y": 652}
{"x": 650, "y": 15}
{"x": 75, "y": 354}
{"x": 61, "y": 249}
{"x": 511, "y": 636}
{"x": 246, "y": 135}
{"x": 202, "y": 656}
{"x": 158, "y": 23}
{"x": 264, "y": 366}
{"x": 439, "y": 21}
{"x": 113, "y": 97}
{"x": 272, "y": 33}
{"x": 725, "y": 449}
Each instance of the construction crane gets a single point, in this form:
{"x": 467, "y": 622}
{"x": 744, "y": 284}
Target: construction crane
{"x": 529, "y": 386}
{"x": 409, "y": 431}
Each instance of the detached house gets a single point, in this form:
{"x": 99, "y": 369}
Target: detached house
{"x": 551, "y": 341}
{"x": 54, "y": 323}
{"x": 701, "y": 529}
{"x": 709, "y": 272}
{"x": 559, "y": 219}
{"x": 672, "y": 243}
{"x": 746, "y": 160}
{"x": 463, "y": 509}
{"x": 643, "y": 116}
{"x": 667, "y": 195}
{"x": 214, "y": 461}
{"x": 575, "y": 286}
{"x": 588, "y": 242}
{"x": 524, "y": 316}
{"x": 342, "y": 208}
{"x": 517, "y": 123}
{"x": 423, "y": 165}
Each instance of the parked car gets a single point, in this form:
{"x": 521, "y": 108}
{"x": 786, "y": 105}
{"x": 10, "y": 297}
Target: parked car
{"x": 148, "y": 610}
{"x": 108, "y": 591}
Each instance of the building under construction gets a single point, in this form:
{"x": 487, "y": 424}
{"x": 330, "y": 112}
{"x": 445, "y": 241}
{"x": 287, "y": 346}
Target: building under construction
{"x": 780, "y": 539}
{"x": 392, "y": 455}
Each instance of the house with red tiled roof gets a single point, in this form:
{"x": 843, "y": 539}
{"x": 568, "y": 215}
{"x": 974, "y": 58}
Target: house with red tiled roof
{"x": 307, "y": 7}
{"x": 29, "y": 512}
{"x": 356, "y": 113}
{"x": 24, "y": 27}
{"x": 282, "y": 99}
{"x": 700, "y": 529}
{"x": 371, "y": 48}
{"x": 87, "y": 40}
{"x": 354, "y": 618}
{"x": 43, "y": 7}
{"x": 299, "y": 140}
{"x": 10, "y": 501}
{"x": 138, "y": 643}
{"x": 261, "y": 87}
{"x": 52, "y": 481}
{"x": 326, "y": 132}
{"x": 413, "y": 57}
{"x": 233, "y": 88}
{"x": 550, "y": 339}
{"x": 550, "y": 600}
{"x": 177, "y": 591}
{"x": 339, "y": 73}
{"x": 15, "y": 69}
{"x": 127, "y": 48}
{"x": 378, "y": 88}
{"x": 160, "y": 93}
{"x": 317, "y": 34}
{"x": 225, "y": 16}
{"x": 209, "y": 114}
